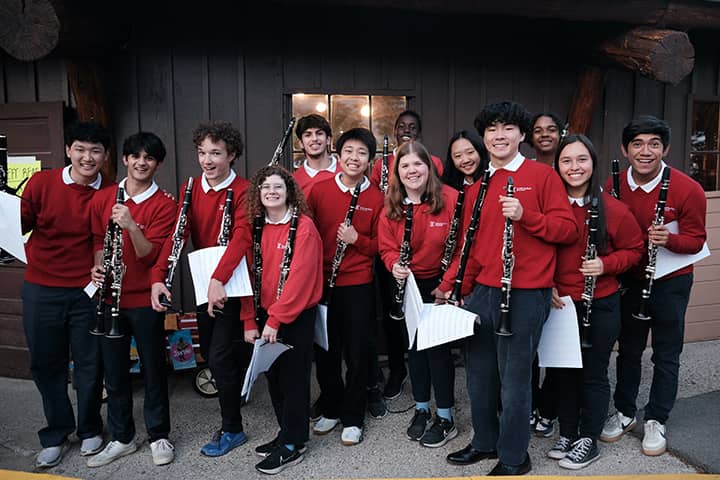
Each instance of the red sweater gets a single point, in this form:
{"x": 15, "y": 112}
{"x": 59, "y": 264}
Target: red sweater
{"x": 427, "y": 242}
{"x": 303, "y": 286}
{"x": 686, "y": 204}
{"x": 546, "y": 222}
{"x": 155, "y": 216}
{"x": 306, "y": 182}
{"x": 59, "y": 251}
{"x": 624, "y": 249}
{"x": 329, "y": 205}
{"x": 377, "y": 168}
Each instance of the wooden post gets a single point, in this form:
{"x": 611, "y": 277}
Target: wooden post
{"x": 589, "y": 91}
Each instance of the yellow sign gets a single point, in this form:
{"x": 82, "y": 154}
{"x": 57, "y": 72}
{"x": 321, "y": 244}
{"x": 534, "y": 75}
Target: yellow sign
{"x": 20, "y": 168}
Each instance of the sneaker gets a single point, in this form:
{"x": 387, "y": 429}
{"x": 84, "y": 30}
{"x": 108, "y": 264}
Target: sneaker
{"x": 163, "y": 451}
{"x": 91, "y": 446}
{"x": 315, "y": 412}
{"x": 224, "y": 442}
{"x": 418, "y": 424}
{"x": 544, "y": 427}
{"x": 325, "y": 425}
{"x": 533, "y": 420}
{"x": 267, "y": 448}
{"x": 279, "y": 459}
{"x": 376, "y": 403}
{"x": 112, "y": 451}
{"x": 654, "y": 442}
{"x": 440, "y": 432}
{"x": 616, "y": 426}
{"x": 351, "y": 436}
{"x": 51, "y": 456}
{"x": 561, "y": 448}
{"x": 584, "y": 452}
{"x": 393, "y": 387}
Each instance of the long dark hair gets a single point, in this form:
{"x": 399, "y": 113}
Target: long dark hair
{"x": 396, "y": 190}
{"x": 295, "y": 195}
{"x": 451, "y": 175}
{"x": 594, "y": 188}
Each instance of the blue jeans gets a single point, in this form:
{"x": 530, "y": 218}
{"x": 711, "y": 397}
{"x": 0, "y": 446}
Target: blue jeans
{"x": 503, "y": 365}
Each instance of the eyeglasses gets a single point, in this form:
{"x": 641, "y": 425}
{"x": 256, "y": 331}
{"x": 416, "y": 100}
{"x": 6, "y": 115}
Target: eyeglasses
{"x": 277, "y": 187}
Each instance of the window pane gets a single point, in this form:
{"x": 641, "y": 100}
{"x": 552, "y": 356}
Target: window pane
{"x": 302, "y": 105}
{"x": 704, "y": 136}
{"x": 385, "y": 111}
{"x": 349, "y": 111}
{"x": 704, "y": 169}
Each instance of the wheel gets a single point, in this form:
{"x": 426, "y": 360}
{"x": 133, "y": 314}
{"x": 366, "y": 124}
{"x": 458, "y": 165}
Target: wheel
{"x": 204, "y": 384}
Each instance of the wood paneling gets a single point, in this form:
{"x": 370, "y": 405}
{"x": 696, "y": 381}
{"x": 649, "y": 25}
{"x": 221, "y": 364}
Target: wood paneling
{"x": 19, "y": 81}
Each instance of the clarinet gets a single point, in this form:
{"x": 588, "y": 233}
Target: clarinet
{"x": 396, "y": 309}
{"x": 451, "y": 240}
{"x": 504, "y": 328}
{"x": 226, "y": 224}
{"x": 384, "y": 167}
{"x": 342, "y": 246}
{"x": 590, "y": 280}
{"x": 658, "y": 221}
{"x": 178, "y": 243}
{"x": 288, "y": 253}
{"x": 112, "y": 266}
{"x": 258, "y": 224}
{"x": 469, "y": 238}
{"x": 615, "y": 173}
{"x": 281, "y": 146}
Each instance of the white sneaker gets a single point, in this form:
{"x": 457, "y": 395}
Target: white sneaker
{"x": 91, "y": 446}
{"x": 616, "y": 426}
{"x": 654, "y": 442}
{"x": 163, "y": 451}
{"x": 51, "y": 456}
{"x": 325, "y": 425}
{"x": 112, "y": 451}
{"x": 351, "y": 436}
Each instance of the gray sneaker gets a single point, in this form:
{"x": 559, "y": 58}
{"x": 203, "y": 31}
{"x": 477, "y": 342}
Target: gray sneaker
{"x": 163, "y": 451}
{"x": 112, "y": 451}
{"x": 51, "y": 456}
{"x": 91, "y": 446}
{"x": 616, "y": 426}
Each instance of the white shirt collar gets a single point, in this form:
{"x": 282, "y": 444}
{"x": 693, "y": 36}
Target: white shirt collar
{"x": 649, "y": 186}
{"x": 332, "y": 168}
{"x": 225, "y": 183}
{"x": 513, "y": 166}
{"x": 69, "y": 181}
{"x": 343, "y": 188}
{"x": 285, "y": 219}
{"x": 579, "y": 201}
{"x": 140, "y": 197}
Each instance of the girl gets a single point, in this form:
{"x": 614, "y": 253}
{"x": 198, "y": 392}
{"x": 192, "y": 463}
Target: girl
{"x": 466, "y": 160}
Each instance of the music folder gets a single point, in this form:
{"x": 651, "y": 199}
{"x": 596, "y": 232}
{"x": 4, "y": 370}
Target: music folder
{"x": 203, "y": 263}
{"x": 263, "y": 356}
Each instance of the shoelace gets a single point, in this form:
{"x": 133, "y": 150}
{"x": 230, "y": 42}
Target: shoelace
{"x": 163, "y": 444}
{"x": 562, "y": 444}
{"x": 216, "y": 436}
{"x": 580, "y": 449}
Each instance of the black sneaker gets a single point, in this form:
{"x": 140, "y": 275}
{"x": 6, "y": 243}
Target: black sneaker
{"x": 418, "y": 424}
{"x": 376, "y": 403}
{"x": 267, "y": 448}
{"x": 279, "y": 459}
{"x": 315, "y": 412}
{"x": 583, "y": 453}
{"x": 393, "y": 387}
{"x": 439, "y": 433}
{"x": 561, "y": 448}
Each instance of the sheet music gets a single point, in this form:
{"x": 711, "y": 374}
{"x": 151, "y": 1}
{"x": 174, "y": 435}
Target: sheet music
{"x": 263, "y": 356}
{"x": 560, "y": 340}
{"x": 413, "y": 308}
{"x": 11, "y": 238}
{"x": 321, "y": 335}
{"x": 442, "y": 324}
{"x": 668, "y": 262}
{"x": 203, "y": 263}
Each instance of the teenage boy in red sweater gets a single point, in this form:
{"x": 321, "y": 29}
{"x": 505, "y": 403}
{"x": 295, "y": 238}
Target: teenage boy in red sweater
{"x": 221, "y": 335}
{"x": 57, "y": 314}
{"x": 645, "y": 142}
{"x": 315, "y": 135}
{"x": 146, "y": 218}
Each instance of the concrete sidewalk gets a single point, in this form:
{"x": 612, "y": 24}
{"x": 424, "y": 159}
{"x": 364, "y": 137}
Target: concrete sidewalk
{"x": 693, "y": 433}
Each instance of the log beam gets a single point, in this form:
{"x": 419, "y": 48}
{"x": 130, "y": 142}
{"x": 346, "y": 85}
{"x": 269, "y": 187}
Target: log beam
{"x": 30, "y": 28}
{"x": 588, "y": 93}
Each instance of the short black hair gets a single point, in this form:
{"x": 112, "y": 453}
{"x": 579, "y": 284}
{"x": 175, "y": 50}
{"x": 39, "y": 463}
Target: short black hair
{"x": 91, "y": 132}
{"x": 144, "y": 141}
{"x": 312, "y": 121}
{"x": 646, "y": 124}
{"x": 362, "y": 134}
{"x": 509, "y": 113}
{"x": 556, "y": 120}
{"x": 410, "y": 113}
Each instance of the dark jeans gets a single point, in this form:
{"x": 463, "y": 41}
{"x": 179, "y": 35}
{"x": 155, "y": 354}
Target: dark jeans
{"x": 349, "y": 316}
{"x": 289, "y": 379}
{"x": 222, "y": 344}
{"x": 585, "y": 392}
{"x": 396, "y": 342}
{"x": 503, "y": 364}
{"x": 57, "y": 321}
{"x": 667, "y": 306}
{"x": 147, "y": 326}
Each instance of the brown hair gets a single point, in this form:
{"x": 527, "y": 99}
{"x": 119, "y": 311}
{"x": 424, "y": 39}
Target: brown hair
{"x": 295, "y": 195}
{"x": 396, "y": 190}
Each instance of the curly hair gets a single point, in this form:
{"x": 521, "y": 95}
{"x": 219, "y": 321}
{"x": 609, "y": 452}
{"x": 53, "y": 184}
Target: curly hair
{"x": 295, "y": 195}
{"x": 511, "y": 113}
{"x": 396, "y": 190}
{"x": 220, "y": 131}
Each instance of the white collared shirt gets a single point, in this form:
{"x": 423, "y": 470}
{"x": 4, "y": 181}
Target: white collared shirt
{"x": 579, "y": 201}
{"x": 343, "y": 188}
{"x": 140, "y": 197}
{"x": 649, "y": 186}
{"x": 512, "y": 166}
{"x": 311, "y": 172}
{"x": 69, "y": 180}
{"x": 224, "y": 184}
{"x": 285, "y": 219}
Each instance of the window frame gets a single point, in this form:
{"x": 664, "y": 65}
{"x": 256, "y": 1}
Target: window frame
{"x": 692, "y": 99}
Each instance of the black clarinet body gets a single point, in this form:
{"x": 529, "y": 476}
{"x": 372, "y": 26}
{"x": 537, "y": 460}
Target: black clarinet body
{"x": 396, "y": 308}
{"x": 288, "y": 253}
{"x": 342, "y": 246}
{"x": 178, "y": 239}
{"x": 258, "y": 224}
{"x": 226, "y": 223}
{"x": 451, "y": 240}
{"x": 615, "y": 175}
{"x": 504, "y": 328}
{"x": 281, "y": 146}
{"x": 590, "y": 280}
{"x": 384, "y": 167}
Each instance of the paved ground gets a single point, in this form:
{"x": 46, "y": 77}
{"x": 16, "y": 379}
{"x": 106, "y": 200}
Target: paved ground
{"x": 693, "y": 432}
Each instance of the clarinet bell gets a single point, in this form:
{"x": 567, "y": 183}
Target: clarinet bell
{"x": 99, "y": 329}
{"x": 114, "y": 329}
{"x": 585, "y": 338}
{"x": 163, "y": 300}
{"x": 503, "y": 329}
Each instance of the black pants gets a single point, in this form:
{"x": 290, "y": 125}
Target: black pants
{"x": 396, "y": 341}
{"x": 584, "y": 393}
{"x": 222, "y": 344}
{"x": 543, "y": 396}
{"x": 56, "y": 322}
{"x": 351, "y": 310}
{"x": 147, "y": 326}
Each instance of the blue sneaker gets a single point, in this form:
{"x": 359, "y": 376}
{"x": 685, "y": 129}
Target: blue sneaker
{"x": 222, "y": 443}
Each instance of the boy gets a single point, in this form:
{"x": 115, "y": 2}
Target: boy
{"x": 314, "y": 134}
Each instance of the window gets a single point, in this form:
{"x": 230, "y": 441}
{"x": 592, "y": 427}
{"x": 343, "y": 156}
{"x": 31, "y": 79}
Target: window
{"x": 374, "y": 112}
{"x": 704, "y": 145}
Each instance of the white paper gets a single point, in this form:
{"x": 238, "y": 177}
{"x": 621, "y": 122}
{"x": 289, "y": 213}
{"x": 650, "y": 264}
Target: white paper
{"x": 442, "y": 324}
{"x": 264, "y": 355}
{"x": 11, "y": 238}
{"x": 560, "y": 340}
{"x": 203, "y": 263}
{"x": 90, "y": 289}
{"x": 668, "y": 262}
{"x": 413, "y": 308}
{"x": 321, "y": 334}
